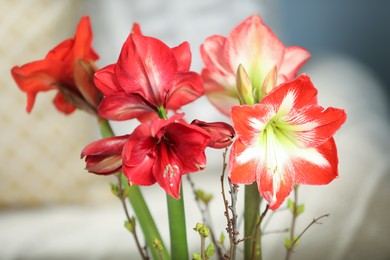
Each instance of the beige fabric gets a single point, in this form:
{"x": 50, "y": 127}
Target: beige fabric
{"x": 40, "y": 152}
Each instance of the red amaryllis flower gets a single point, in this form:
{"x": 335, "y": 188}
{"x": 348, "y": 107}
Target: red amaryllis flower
{"x": 265, "y": 59}
{"x": 284, "y": 140}
{"x": 162, "y": 151}
{"x": 69, "y": 68}
{"x": 157, "y": 151}
{"x": 148, "y": 78}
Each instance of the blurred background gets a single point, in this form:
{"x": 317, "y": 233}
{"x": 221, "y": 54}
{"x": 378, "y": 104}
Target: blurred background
{"x": 50, "y": 208}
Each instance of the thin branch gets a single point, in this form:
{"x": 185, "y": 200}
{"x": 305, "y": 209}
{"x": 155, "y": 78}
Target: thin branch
{"x": 206, "y": 218}
{"x": 142, "y": 251}
{"x": 231, "y": 221}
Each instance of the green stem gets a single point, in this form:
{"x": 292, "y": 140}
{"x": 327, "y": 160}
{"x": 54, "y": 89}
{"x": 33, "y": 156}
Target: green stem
{"x": 138, "y": 204}
{"x": 251, "y": 216}
{"x": 177, "y": 227}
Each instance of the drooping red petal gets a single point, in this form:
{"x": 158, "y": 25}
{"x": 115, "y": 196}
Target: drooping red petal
{"x": 266, "y": 188}
{"x": 62, "y": 105}
{"x": 138, "y": 158}
{"x": 123, "y": 107}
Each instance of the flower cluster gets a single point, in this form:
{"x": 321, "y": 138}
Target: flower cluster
{"x": 280, "y": 135}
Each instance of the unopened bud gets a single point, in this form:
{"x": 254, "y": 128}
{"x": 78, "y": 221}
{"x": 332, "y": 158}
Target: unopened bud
{"x": 221, "y": 134}
{"x": 202, "y": 229}
{"x": 244, "y": 86}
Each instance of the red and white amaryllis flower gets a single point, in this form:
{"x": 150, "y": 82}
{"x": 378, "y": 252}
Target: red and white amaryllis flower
{"x": 157, "y": 151}
{"x": 265, "y": 59}
{"x": 284, "y": 140}
{"x": 148, "y": 78}
{"x": 68, "y": 68}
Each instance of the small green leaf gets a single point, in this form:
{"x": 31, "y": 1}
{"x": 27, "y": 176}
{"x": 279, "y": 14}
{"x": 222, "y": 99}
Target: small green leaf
{"x": 300, "y": 209}
{"x": 202, "y": 229}
{"x": 203, "y": 196}
{"x": 115, "y": 189}
{"x": 130, "y": 225}
{"x": 287, "y": 243}
{"x": 210, "y": 250}
{"x": 221, "y": 239}
{"x": 196, "y": 256}
{"x": 290, "y": 205}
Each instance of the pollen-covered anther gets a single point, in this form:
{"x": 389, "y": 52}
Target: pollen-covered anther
{"x": 170, "y": 171}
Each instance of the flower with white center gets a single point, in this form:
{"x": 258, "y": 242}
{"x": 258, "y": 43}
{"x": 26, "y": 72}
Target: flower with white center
{"x": 284, "y": 140}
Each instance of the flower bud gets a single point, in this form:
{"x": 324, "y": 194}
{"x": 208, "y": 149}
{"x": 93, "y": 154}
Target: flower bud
{"x": 244, "y": 86}
{"x": 202, "y": 229}
{"x": 221, "y": 134}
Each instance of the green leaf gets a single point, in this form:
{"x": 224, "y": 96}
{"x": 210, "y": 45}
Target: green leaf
{"x": 196, "y": 256}
{"x": 221, "y": 239}
{"x": 290, "y": 205}
{"x": 203, "y": 196}
{"x": 300, "y": 209}
{"x": 130, "y": 225}
{"x": 287, "y": 243}
{"x": 210, "y": 250}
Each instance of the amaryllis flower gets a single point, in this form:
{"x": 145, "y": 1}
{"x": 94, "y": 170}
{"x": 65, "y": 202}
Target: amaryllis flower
{"x": 263, "y": 57}
{"x": 284, "y": 140}
{"x": 148, "y": 78}
{"x": 157, "y": 151}
{"x": 68, "y": 68}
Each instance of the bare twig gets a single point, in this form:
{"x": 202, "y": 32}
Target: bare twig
{"x": 206, "y": 218}
{"x": 231, "y": 220}
{"x": 121, "y": 195}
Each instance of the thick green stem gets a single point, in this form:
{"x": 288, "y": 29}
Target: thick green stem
{"x": 251, "y": 216}
{"x": 139, "y": 205}
{"x": 177, "y": 227}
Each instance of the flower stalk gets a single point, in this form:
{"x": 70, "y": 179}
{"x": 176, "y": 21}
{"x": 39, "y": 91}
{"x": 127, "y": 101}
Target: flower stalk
{"x": 251, "y": 215}
{"x": 177, "y": 227}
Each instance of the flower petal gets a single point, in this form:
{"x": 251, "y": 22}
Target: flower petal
{"x": 62, "y": 104}
{"x": 105, "y": 80}
{"x": 293, "y": 59}
{"x": 138, "y": 159}
{"x": 146, "y": 66}
{"x": 123, "y": 107}
{"x": 214, "y": 56}
{"x": 242, "y": 172}
{"x": 182, "y": 55}
{"x": 186, "y": 87}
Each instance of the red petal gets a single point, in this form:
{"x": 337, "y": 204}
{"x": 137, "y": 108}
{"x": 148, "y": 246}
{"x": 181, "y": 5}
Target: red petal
{"x": 307, "y": 172}
{"x": 265, "y": 186}
{"x": 214, "y": 55}
{"x": 189, "y": 143}
{"x": 241, "y": 173}
{"x": 62, "y": 105}
{"x": 249, "y": 121}
{"x": 104, "y": 156}
{"x": 182, "y": 54}
{"x": 105, "y": 80}
{"x": 294, "y": 94}
{"x": 168, "y": 170}
{"x": 185, "y": 88}
{"x": 146, "y": 66}
{"x": 138, "y": 159}
{"x": 83, "y": 40}
{"x": 293, "y": 59}
{"x": 123, "y": 107}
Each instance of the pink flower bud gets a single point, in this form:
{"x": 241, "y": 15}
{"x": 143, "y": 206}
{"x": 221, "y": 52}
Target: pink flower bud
{"x": 221, "y": 134}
